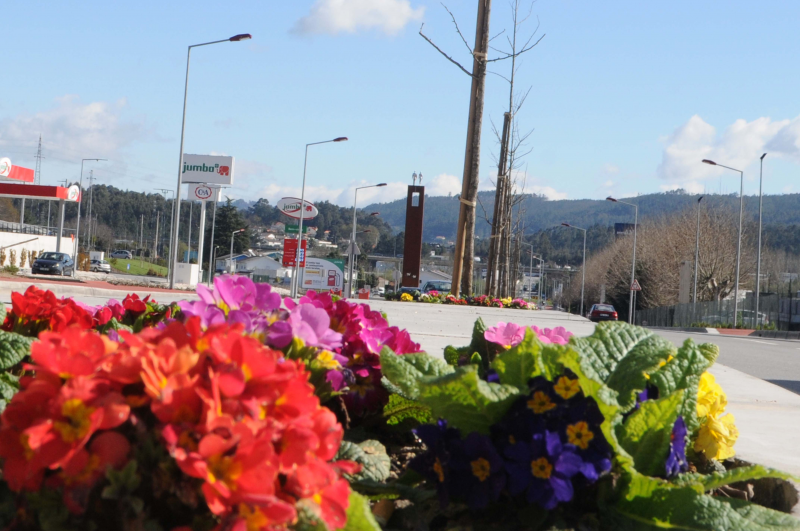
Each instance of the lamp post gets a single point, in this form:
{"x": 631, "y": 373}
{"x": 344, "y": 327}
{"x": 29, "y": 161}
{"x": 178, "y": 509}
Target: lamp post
{"x": 296, "y": 270}
{"x": 739, "y": 243}
{"x": 696, "y": 260}
{"x": 352, "y": 253}
{"x": 758, "y": 263}
{"x": 173, "y": 253}
{"x": 530, "y": 268}
{"x": 583, "y": 266}
{"x": 633, "y": 265}
{"x": 78, "y": 223}
{"x": 233, "y": 235}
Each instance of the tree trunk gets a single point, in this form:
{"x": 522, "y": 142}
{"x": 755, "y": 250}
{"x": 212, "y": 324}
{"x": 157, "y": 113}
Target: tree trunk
{"x": 465, "y": 240}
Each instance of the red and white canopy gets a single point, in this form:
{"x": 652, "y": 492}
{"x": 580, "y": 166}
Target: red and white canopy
{"x": 9, "y": 172}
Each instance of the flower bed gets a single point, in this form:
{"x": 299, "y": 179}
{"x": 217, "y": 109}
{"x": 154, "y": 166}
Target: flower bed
{"x": 435, "y": 297}
{"x": 242, "y": 411}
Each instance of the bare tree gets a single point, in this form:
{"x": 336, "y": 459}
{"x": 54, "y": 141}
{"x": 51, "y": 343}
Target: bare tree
{"x": 464, "y": 251}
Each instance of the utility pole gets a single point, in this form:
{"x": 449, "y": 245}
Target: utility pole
{"x": 141, "y": 234}
{"x": 155, "y": 238}
{"x": 37, "y": 178}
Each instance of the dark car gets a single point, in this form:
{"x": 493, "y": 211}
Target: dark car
{"x": 602, "y": 312}
{"x": 53, "y": 264}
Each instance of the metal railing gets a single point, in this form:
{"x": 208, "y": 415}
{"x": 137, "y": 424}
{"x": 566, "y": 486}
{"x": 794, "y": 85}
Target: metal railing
{"x": 774, "y": 311}
{"x": 37, "y": 230}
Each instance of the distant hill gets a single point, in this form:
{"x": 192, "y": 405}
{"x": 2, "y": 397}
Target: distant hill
{"x": 441, "y": 213}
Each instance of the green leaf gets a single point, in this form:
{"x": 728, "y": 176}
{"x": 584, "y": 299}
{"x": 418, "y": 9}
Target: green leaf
{"x": 683, "y": 372}
{"x": 13, "y": 348}
{"x": 371, "y": 455}
{"x": 517, "y": 365}
{"x": 3, "y": 312}
{"x": 359, "y": 515}
{"x": 399, "y": 409}
{"x": 405, "y": 371}
{"x": 122, "y": 483}
{"x": 648, "y": 503}
{"x": 453, "y": 354}
{"x": 392, "y": 490}
{"x": 9, "y": 385}
{"x": 646, "y": 433}
{"x": 466, "y": 401}
{"x": 620, "y": 355}
{"x": 735, "y": 475}
{"x": 479, "y": 343}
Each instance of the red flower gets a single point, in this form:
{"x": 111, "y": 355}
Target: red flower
{"x": 39, "y": 310}
{"x": 318, "y": 485}
{"x": 132, "y": 303}
{"x": 73, "y": 352}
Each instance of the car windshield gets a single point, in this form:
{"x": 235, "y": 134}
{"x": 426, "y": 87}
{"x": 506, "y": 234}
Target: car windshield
{"x": 604, "y": 308}
{"x": 439, "y": 286}
{"x": 51, "y": 256}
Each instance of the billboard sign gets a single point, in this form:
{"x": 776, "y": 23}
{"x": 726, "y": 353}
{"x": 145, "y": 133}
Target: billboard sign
{"x": 323, "y": 275}
{"x": 207, "y": 169}
{"x": 5, "y": 167}
{"x": 290, "y": 250}
{"x": 203, "y": 192}
{"x": 74, "y": 193}
{"x": 291, "y": 207}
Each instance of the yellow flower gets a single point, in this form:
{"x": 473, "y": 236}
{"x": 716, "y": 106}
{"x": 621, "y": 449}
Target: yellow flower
{"x": 540, "y": 403}
{"x": 717, "y": 437}
{"x": 710, "y": 396}
{"x": 405, "y": 297}
{"x": 566, "y": 387}
{"x": 327, "y": 361}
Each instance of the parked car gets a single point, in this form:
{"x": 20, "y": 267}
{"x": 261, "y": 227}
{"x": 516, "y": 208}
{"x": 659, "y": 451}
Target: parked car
{"x": 100, "y": 266}
{"x": 602, "y": 312}
{"x": 121, "y": 254}
{"x": 53, "y": 264}
{"x": 442, "y": 286}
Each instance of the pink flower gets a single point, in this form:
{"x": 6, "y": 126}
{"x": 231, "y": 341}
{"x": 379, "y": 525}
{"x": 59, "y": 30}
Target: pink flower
{"x": 308, "y": 323}
{"x": 558, "y": 335}
{"x": 506, "y": 335}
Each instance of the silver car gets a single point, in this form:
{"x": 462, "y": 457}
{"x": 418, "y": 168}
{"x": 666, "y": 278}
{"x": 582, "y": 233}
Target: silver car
{"x": 100, "y": 266}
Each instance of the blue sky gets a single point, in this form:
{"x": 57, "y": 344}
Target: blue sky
{"x": 626, "y": 98}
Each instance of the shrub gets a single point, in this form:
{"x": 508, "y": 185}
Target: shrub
{"x": 12, "y": 257}
{"x": 23, "y": 257}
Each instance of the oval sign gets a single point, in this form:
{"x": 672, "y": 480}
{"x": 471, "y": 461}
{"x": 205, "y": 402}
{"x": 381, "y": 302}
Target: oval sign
{"x": 203, "y": 192}
{"x": 73, "y": 193}
{"x": 291, "y": 207}
{"x": 5, "y": 167}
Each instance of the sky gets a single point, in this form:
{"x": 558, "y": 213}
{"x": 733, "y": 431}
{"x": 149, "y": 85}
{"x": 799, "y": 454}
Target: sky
{"x": 626, "y": 97}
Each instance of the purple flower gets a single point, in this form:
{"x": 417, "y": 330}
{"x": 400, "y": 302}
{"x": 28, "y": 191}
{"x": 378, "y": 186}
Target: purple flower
{"x": 477, "y": 471}
{"x": 506, "y": 335}
{"x": 434, "y": 464}
{"x": 676, "y": 459}
{"x": 543, "y": 468}
{"x": 210, "y": 315}
{"x": 234, "y": 292}
{"x": 307, "y": 323}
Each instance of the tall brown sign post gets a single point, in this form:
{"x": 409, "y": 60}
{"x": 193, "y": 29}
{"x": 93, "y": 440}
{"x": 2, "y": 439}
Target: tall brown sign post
{"x": 412, "y": 250}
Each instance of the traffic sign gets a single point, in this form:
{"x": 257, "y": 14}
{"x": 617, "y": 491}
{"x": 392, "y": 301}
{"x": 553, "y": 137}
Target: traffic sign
{"x": 635, "y": 286}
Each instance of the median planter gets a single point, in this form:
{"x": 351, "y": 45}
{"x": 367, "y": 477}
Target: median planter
{"x": 245, "y": 411}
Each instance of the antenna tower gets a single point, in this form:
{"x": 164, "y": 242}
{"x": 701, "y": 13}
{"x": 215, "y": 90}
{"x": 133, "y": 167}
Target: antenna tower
{"x": 38, "y": 171}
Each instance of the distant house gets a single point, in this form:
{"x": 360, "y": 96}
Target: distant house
{"x": 263, "y": 265}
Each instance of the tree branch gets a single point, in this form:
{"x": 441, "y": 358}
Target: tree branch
{"x": 441, "y": 52}
{"x": 517, "y": 54}
{"x": 457, "y": 29}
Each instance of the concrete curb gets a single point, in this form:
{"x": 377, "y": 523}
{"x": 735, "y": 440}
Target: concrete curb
{"x": 765, "y": 334}
{"x": 100, "y": 293}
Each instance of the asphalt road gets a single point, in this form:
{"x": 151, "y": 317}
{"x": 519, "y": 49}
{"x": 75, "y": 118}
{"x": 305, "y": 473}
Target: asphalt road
{"x": 774, "y": 360}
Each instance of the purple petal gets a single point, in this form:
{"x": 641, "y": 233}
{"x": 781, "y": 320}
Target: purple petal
{"x": 562, "y": 487}
{"x": 569, "y": 464}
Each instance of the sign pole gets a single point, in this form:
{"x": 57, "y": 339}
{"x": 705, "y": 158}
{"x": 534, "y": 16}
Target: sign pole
{"x": 200, "y": 240}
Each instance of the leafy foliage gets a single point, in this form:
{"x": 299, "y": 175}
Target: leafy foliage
{"x": 371, "y": 455}
{"x": 719, "y": 479}
{"x": 359, "y": 515}
{"x": 465, "y": 400}
{"x": 9, "y": 385}
{"x": 406, "y": 371}
{"x": 400, "y": 409}
{"x": 13, "y": 348}
{"x": 646, "y": 433}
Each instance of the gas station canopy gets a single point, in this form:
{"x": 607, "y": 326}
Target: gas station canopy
{"x": 33, "y": 191}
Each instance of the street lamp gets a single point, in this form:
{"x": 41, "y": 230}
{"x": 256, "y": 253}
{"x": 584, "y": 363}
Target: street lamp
{"x": 633, "y": 265}
{"x": 233, "y": 235}
{"x": 739, "y": 243}
{"x": 173, "y": 253}
{"x": 530, "y": 269}
{"x": 583, "y": 267}
{"x": 78, "y": 223}
{"x": 352, "y": 252}
{"x": 696, "y": 259}
{"x": 295, "y": 273}
{"x": 758, "y": 264}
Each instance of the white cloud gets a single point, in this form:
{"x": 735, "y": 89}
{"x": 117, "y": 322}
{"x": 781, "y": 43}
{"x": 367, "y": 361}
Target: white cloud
{"x": 547, "y": 191}
{"x": 740, "y": 145}
{"x": 73, "y": 129}
{"x": 349, "y": 16}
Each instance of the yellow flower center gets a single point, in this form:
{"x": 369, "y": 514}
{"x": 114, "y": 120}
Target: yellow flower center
{"x": 26, "y": 447}
{"x": 248, "y": 374}
{"x": 437, "y": 467}
{"x": 540, "y": 403}
{"x": 580, "y": 435}
{"x": 224, "y": 469}
{"x": 326, "y": 360}
{"x": 481, "y": 468}
{"x": 224, "y": 307}
{"x": 566, "y": 387}
{"x": 317, "y": 498}
{"x": 541, "y": 468}
{"x": 78, "y": 421}
{"x": 512, "y": 439}
{"x": 254, "y": 518}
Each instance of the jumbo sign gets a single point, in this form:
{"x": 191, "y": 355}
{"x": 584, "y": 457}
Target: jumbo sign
{"x": 207, "y": 169}
{"x": 291, "y": 207}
